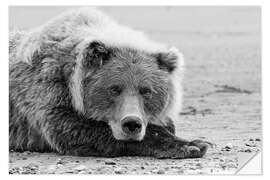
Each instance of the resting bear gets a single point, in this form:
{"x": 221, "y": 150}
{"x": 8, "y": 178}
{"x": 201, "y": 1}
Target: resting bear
{"x": 84, "y": 85}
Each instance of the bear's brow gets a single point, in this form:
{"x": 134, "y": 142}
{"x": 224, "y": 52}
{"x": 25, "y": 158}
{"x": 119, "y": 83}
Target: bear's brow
{"x": 133, "y": 55}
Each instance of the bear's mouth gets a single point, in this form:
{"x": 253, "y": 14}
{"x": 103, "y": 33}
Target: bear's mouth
{"x": 134, "y": 138}
{"x": 129, "y": 129}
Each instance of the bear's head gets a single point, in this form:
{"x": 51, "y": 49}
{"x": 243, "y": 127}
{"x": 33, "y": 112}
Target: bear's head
{"x": 128, "y": 88}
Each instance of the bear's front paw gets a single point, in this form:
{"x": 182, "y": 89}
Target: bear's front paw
{"x": 180, "y": 152}
{"x": 202, "y": 145}
{"x": 194, "y": 149}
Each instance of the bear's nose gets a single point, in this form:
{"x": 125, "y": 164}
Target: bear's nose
{"x": 131, "y": 125}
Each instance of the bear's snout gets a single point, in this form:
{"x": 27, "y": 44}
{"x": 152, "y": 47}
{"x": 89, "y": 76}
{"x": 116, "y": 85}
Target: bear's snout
{"x": 132, "y": 125}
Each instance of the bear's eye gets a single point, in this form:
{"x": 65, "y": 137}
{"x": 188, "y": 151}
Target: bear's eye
{"x": 115, "y": 90}
{"x": 146, "y": 92}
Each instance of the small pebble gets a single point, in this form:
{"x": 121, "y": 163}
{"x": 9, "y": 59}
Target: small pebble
{"x": 110, "y": 163}
{"x": 158, "y": 171}
{"x": 161, "y": 171}
{"x": 81, "y": 172}
{"x": 248, "y": 150}
{"x": 229, "y": 145}
{"x": 80, "y": 168}
{"x": 250, "y": 145}
{"x": 26, "y": 153}
{"x": 226, "y": 149}
{"x": 257, "y": 139}
{"x": 69, "y": 172}
{"x": 59, "y": 161}
{"x": 223, "y": 167}
{"x": 59, "y": 165}
{"x": 118, "y": 172}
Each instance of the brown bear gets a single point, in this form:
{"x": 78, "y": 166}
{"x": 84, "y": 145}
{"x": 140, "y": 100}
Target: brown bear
{"x": 84, "y": 85}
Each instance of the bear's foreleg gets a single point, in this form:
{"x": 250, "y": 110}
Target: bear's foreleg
{"x": 70, "y": 134}
{"x": 161, "y": 143}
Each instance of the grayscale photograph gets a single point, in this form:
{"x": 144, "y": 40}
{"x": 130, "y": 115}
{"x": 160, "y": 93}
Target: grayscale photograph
{"x": 134, "y": 90}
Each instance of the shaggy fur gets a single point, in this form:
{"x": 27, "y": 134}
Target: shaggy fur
{"x": 74, "y": 78}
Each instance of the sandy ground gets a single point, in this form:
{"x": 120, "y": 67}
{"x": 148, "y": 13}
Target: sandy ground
{"x": 222, "y": 101}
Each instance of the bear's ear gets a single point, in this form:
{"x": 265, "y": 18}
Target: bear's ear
{"x": 96, "y": 54}
{"x": 169, "y": 60}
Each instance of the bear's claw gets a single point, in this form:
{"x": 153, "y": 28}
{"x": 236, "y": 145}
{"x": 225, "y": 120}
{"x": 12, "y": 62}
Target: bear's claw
{"x": 202, "y": 145}
{"x": 195, "y": 149}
